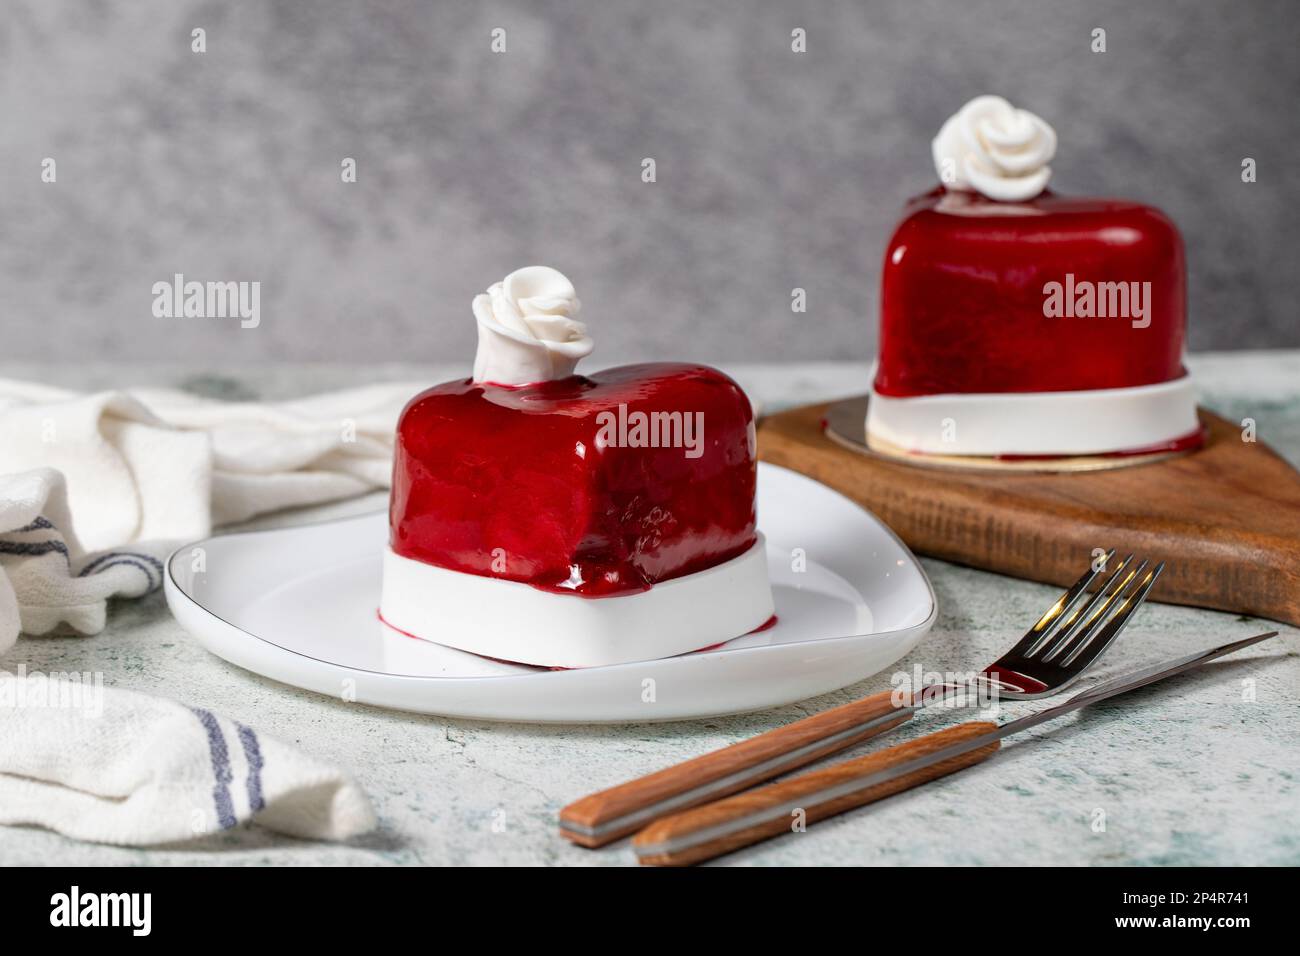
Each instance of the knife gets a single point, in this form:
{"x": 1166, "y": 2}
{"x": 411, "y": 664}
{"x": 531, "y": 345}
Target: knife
{"x": 746, "y": 818}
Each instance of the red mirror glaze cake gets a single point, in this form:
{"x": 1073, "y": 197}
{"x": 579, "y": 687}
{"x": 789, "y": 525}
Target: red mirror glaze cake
{"x": 1016, "y": 322}
{"x": 546, "y": 517}
{"x": 573, "y": 511}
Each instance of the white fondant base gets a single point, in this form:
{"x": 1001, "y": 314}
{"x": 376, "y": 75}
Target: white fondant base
{"x": 1095, "y": 422}
{"x": 512, "y": 621}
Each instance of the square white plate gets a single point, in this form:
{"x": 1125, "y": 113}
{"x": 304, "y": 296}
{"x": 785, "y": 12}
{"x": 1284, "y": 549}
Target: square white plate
{"x": 298, "y": 605}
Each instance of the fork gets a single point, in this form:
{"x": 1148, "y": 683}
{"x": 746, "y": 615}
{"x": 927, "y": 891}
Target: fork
{"x": 1070, "y": 636}
{"x": 1067, "y": 640}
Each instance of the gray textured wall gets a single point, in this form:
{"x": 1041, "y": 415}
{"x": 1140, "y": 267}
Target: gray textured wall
{"x": 775, "y": 169}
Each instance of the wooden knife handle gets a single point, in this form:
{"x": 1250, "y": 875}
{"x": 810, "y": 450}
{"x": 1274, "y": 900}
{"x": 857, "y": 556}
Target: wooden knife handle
{"x": 722, "y": 772}
{"x": 667, "y": 842}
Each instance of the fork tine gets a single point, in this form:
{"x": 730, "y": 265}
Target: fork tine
{"x": 1081, "y": 613}
{"x": 1095, "y": 613}
{"x": 1045, "y": 627}
{"x": 1116, "y": 624}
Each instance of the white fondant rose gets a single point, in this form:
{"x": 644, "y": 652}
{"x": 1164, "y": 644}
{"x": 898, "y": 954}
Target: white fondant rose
{"x": 993, "y": 148}
{"x": 527, "y": 330}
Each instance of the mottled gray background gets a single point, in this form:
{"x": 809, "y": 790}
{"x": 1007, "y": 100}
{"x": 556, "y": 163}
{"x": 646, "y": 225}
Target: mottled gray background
{"x": 775, "y": 169}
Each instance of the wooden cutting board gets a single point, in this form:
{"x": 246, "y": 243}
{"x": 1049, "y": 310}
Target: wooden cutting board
{"x": 1225, "y": 519}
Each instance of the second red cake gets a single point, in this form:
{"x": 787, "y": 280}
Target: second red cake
{"x": 1015, "y": 322}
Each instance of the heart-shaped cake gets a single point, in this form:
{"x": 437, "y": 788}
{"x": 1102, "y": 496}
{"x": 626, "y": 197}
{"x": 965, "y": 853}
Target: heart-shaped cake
{"x": 589, "y": 486}
{"x": 551, "y": 518}
{"x": 1017, "y": 322}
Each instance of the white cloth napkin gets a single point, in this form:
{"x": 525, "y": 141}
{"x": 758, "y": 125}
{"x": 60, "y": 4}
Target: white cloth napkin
{"x": 46, "y": 578}
{"x": 145, "y": 470}
{"x": 161, "y": 464}
{"x": 116, "y": 766}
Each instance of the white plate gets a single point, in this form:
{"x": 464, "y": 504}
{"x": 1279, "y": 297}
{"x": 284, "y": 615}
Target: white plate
{"x": 298, "y": 605}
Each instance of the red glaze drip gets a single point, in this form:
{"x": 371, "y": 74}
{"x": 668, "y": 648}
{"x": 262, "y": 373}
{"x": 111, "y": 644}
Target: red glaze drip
{"x": 515, "y": 476}
{"x": 767, "y": 625}
{"x": 1015, "y": 680}
{"x": 962, "y": 296}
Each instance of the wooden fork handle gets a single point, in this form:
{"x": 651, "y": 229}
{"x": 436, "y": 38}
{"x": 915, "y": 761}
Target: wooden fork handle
{"x": 610, "y": 814}
{"x": 746, "y": 818}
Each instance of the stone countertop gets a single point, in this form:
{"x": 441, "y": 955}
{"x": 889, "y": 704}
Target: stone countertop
{"x": 1200, "y": 770}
